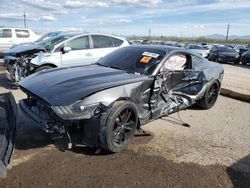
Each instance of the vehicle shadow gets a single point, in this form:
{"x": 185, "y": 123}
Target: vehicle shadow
{"x": 5, "y": 83}
{"x": 29, "y": 136}
{"x": 141, "y": 137}
{"x": 239, "y": 173}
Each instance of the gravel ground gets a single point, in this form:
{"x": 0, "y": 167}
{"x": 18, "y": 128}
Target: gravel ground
{"x": 237, "y": 78}
{"x": 213, "y": 152}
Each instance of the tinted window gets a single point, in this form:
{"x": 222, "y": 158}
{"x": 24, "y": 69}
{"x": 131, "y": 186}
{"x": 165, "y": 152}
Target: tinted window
{"x": 79, "y": 43}
{"x": 116, "y": 42}
{"x": 5, "y": 33}
{"x": 225, "y": 49}
{"x": 100, "y": 41}
{"x": 196, "y": 61}
{"x": 134, "y": 60}
{"x": 196, "y": 47}
{"x": 20, "y": 33}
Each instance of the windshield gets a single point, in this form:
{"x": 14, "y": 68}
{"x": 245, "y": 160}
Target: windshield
{"x": 225, "y": 49}
{"x": 49, "y": 43}
{"x": 46, "y": 36}
{"x": 196, "y": 47}
{"x": 239, "y": 47}
{"x": 134, "y": 60}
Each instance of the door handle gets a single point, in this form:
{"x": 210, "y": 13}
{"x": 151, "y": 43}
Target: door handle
{"x": 88, "y": 54}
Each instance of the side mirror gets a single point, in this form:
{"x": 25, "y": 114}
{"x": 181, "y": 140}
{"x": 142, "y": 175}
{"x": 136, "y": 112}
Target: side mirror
{"x": 66, "y": 49}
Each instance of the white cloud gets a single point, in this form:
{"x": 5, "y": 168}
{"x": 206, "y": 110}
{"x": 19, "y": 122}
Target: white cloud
{"x": 48, "y": 18}
{"x": 137, "y": 2}
{"x": 187, "y": 7}
{"x": 43, "y": 4}
{"x": 15, "y": 17}
{"x": 199, "y": 26}
{"x": 73, "y": 29}
{"x": 83, "y": 4}
{"x": 122, "y": 20}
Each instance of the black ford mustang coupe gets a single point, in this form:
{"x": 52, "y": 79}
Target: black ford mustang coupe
{"x": 106, "y": 102}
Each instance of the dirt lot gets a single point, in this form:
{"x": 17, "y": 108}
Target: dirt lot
{"x": 213, "y": 152}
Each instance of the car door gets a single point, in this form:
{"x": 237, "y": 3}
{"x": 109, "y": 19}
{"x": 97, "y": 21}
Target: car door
{"x": 8, "y": 115}
{"x": 102, "y": 45}
{"x": 6, "y": 39}
{"x": 174, "y": 87}
{"x": 80, "y": 53}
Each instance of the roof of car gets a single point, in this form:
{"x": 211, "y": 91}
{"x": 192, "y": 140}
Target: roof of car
{"x": 158, "y": 47}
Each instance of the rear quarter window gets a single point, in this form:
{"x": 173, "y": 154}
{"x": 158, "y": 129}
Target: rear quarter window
{"x": 21, "y": 33}
{"x": 196, "y": 61}
{"x": 116, "y": 42}
{"x": 5, "y": 33}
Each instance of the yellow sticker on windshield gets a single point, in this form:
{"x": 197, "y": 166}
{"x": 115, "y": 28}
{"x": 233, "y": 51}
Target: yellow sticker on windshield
{"x": 145, "y": 59}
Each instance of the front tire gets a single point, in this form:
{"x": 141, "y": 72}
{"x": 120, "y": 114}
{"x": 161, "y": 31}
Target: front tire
{"x": 118, "y": 127}
{"x": 210, "y": 96}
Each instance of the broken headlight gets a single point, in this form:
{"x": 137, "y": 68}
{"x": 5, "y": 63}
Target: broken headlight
{"x": 76, "y": 111}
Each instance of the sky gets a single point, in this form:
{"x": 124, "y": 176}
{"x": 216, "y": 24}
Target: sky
{"x": 187, "y": 18}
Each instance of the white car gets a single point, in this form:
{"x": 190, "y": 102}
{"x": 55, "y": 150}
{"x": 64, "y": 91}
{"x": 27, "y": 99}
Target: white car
{"x": 196, "y": 48}
{"x": 11, "y": 36}
{"x": 60, "y": 51}
{"x": 79, "y": 50}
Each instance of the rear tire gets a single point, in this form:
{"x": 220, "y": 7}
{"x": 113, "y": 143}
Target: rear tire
{"x": 118, "y": 127}
{"x": 243, "y": 62}
{"x": 45, "y": 67}
{"x": 210, "y": 96}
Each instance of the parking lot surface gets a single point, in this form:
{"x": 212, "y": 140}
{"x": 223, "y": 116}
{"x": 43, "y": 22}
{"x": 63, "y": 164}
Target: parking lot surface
{"x": 213, "y": 152}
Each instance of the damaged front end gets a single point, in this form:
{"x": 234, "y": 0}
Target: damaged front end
{"x": 18, "y": 65}
{"x": 60, "y": 121}
{"x": 18, "y": 68}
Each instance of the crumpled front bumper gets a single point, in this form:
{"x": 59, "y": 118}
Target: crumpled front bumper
{"x": 90, "y": 127}
{"x": 48, "y": 125}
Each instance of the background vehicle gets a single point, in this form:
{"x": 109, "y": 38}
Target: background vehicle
{"x": 238, "y": 47}
{"x": 124, "y": 90}
{"x": 242, "y": 50}
{"x": 17, "y": 59}
{"x": 46, "y": 36}
{"x": 196, "y": 48}
{"x": 10, "y": 36}
{"x": 245, "y": 57}
{"x": 64, "y": 50}
{"x": 223, "y": 54}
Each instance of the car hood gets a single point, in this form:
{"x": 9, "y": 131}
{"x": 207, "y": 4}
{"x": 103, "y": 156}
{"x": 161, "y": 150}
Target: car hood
{"x": 25, "y": 49}
{"x": 64, "y": 86}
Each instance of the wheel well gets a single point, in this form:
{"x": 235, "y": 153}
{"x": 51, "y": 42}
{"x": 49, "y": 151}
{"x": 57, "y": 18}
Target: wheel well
{"x": 48, "y": 64}
{"x": 43, "y": 65}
